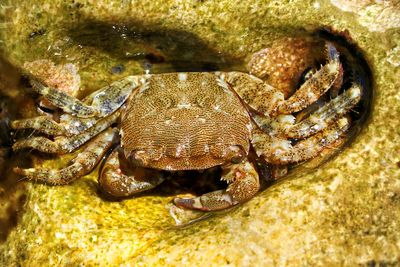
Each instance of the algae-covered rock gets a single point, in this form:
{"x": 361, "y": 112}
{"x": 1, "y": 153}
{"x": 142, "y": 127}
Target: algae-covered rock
{"x": 376, "y": 15}
{"x": 345, "y": 212}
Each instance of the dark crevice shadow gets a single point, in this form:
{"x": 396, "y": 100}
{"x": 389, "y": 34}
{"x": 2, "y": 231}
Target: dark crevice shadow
{"x": 356, "y": 70}
{"x": 12, "y": 195}
{"x": 150, "y": 45}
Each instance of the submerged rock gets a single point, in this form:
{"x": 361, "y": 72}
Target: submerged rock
{"x": 345, "y": 212}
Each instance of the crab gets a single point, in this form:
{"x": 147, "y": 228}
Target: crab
{"x": 150, "y": 126}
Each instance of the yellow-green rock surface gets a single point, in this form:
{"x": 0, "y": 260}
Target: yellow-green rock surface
{"x": 346, "y": 212}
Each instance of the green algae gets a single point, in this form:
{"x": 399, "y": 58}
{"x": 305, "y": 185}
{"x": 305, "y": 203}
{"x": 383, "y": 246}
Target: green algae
{"x": 344, "y": 213}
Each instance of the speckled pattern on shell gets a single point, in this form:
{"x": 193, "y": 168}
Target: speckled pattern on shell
{"x": 184, "y": 121}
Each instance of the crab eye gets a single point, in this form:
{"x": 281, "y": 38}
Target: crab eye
{"x": 139, "y": 157}
{"x": 235, "y": 153}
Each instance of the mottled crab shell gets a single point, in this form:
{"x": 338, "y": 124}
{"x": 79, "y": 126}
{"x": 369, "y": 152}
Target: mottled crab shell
{"x": 184, "y": 121}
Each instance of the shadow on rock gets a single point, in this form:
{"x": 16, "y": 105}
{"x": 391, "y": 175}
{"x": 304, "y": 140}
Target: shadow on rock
{"x": 150, "y": 45}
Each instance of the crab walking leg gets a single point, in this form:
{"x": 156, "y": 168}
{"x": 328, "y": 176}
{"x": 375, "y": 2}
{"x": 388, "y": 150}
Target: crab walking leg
{"x": 269, "y": 101}
{"x": 285, "y": 125}
{"x": 68, "y": 126}
{"x": 107, "y": 100}
{"x": 43, "y": 124}
{"x": 280, "y": 151}
{"x": 273, "y": 126}
{"x": 81, "y": 165}
{"x": 66, "y": 144}
{"x": 260, "y": 96}
{"x": 326, "y": 115}
{"x": 74, "y": 125}
{"x": 64, "y": 101}
{"x": 110, "y": 98}
{"x": 244, "y": 184}
{"x": 114, "y": 182}
{"x": 315, "y": 86}
{"x": 104, "y": 102}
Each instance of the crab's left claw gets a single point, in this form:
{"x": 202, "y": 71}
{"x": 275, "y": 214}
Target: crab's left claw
{"x": 244, "y": 184}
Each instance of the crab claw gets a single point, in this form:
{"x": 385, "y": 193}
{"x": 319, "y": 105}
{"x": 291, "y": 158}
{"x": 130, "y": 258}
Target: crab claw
{"x": 216, "y": 200}
{"x": 243, "y": 185}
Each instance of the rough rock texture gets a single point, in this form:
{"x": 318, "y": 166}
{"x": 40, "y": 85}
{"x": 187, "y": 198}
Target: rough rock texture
{"x": 63, "y": 77}
{"x": 377, "y": 15}
{"x": 344, "y": 213}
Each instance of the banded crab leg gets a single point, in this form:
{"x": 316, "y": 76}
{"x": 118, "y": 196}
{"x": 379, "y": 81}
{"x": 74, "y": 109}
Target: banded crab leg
{"x": 69, "y": 125}
{"x": 270, "y": 102}
{"x": 113, "y": 182}
{"x": 104, "y": 102}
{"x": 64, "y": 144}
{"x": 83, "y": 164}
{"x": 326, "y": 115}
{"x": 314, "y": 87}
{"x": 43, "y": 124}
{"x": 243, "y": 185}
{"x": 280, "y": 151}
{"x": 64, "y": 101}
{"x": 286, "y": 126}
